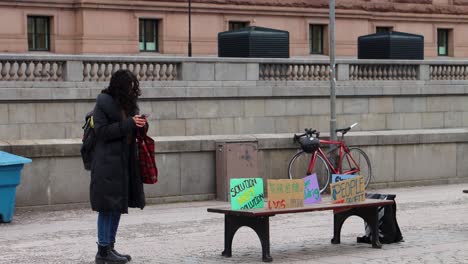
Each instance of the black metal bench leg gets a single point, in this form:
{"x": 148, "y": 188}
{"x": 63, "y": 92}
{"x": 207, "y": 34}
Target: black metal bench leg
{"x": 261, "y": 226}
{"x": 338, "y": 220}
{"x": 373, "y": 221}
{"x": 369, "y": 214}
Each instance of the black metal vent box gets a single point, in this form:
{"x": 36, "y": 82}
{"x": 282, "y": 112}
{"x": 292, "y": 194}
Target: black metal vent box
{"x": 254, "y": 42}
{"x": 391, "y": 45}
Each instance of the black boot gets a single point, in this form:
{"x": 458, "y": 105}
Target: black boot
{"x": 118, "y": 254}
{"x": 105, "y": 255}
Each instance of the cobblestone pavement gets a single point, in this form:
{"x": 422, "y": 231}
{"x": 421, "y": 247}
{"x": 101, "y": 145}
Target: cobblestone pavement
{"x": 433, "y": 220}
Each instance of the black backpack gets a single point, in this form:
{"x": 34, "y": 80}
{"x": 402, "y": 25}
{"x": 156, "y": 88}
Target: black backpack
{"x": 389, "y": 231}
{"x": 88, "y": 141}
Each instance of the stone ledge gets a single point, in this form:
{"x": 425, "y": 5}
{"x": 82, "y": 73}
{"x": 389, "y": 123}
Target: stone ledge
{"x": 71, "y": 147}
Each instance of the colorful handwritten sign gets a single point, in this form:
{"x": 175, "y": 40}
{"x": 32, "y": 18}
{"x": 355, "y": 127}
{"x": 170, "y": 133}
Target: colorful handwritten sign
{"x": 341, "y": 177}
{"x": 349, "y": 191}
{"x": 247, "y": 193}
{"x": 311, "y": 190}
{"x": 285, "y": 193}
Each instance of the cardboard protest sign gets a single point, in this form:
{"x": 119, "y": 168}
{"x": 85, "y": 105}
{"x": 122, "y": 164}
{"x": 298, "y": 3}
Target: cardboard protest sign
{"x": 349, "y": 191}
{"x": 341, "y": 177}
{"x": 311, "y": 190}
{"x": 285, "y": 193}
{"x": 246, "y": 193}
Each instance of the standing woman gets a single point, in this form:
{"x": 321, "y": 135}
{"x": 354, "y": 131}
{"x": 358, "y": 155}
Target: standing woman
{"x": 116, "y": 183}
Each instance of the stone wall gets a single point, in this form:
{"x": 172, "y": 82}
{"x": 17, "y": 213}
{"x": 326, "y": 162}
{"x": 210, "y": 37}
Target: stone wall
{"x": 187, "y": 164}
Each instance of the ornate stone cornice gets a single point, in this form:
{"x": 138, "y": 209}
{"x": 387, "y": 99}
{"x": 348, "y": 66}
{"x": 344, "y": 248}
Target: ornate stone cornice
{"x": 458, "y": 7}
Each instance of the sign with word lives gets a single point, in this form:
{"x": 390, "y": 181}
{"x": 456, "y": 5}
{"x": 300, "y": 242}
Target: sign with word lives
{"x": 311, "y": 190}
{"x": 341, "y": 177}
{"x": 246, "y": 193}
{"x": 349, "y": 191}
{"x": 285, "y": 193}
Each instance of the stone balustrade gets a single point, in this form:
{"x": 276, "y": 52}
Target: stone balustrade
{"x": 391, "y": 72}
{"x": 145, "y": 71}
{"x": 83, "y": 68}
{"x": 31, "y": 70}
{"x": 294, "y": 72}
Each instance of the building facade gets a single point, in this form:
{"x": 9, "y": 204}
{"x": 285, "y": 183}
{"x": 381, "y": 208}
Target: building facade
{"x": 161, "y": 27}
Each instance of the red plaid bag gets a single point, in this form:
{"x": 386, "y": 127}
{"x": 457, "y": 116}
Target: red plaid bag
{"x": 148, "y": 168}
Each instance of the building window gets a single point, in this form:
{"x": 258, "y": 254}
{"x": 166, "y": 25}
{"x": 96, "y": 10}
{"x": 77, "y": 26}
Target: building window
{"x": 149, "y": 35}
{"x": 235, "y": 25}
{"x": 383, "y": 29}
{"x": 442, "y": 42}
{"x": 316, "y": 39}
{"x": 38, "y": 33}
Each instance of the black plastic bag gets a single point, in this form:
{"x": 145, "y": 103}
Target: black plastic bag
{"x": 389, "y": 231}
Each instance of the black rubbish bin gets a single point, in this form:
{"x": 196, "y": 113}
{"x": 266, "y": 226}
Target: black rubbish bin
{"x": 254, "y": 42}
{"x": 391, "y": 45}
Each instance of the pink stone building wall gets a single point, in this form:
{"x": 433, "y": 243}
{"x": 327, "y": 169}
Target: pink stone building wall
{"x": 111, "y": 26}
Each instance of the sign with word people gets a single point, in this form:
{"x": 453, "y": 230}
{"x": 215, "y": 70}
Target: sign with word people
{"x": 285, "y": 193}
{"x": 349, "y": 191}
{"x": 341, "y": 177}
{"x": 311, "y": 190}
{"x": 247, "y": 193}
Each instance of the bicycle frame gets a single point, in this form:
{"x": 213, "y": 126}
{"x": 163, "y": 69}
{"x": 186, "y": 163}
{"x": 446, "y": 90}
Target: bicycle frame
{"x": 342, "y": 150}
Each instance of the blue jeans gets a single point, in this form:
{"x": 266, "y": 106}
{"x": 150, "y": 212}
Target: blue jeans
{"x": 107, "y": 225}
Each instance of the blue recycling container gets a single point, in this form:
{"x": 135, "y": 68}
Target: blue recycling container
{"x": 10, "y": 172}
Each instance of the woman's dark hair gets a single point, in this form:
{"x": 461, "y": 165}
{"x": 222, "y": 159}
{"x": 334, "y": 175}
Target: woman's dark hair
{"x": 125, "y": 89}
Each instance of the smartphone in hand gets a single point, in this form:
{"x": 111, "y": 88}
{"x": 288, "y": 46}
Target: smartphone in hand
{"x": 144, "y": 116}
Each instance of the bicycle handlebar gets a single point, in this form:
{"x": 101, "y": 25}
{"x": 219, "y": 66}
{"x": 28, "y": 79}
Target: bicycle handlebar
{"x": 308, "y": 132}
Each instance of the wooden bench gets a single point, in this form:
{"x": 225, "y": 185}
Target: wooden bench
{"x": 258, "y": 220}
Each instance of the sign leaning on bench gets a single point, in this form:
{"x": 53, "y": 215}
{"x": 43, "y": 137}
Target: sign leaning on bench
{"x": 285, "y": 193}
{"x": 349, "y": 191}
{"x": 246, "y": 193}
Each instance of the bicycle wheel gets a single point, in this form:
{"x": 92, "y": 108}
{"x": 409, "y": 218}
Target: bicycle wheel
{"x": 359, "y": 158}
{"x": 299, "y": 163}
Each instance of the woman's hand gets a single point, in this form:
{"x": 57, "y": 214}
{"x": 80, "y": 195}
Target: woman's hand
{"x": 139, "y": 121}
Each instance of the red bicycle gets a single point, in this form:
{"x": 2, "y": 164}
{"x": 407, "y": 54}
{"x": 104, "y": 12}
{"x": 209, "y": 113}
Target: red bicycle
{"x": 312, "y": 159}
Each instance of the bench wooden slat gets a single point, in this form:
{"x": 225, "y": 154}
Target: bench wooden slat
{"x": 326, "y": 204}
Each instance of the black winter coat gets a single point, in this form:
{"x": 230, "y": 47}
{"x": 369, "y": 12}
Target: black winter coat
{"x": 116, "y": 183}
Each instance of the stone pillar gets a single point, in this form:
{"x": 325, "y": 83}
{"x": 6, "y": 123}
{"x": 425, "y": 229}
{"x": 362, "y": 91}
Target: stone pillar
{"x": 423, "y": 72}
{"x": 342, "y": 72}
{"x": 73, "y": 71}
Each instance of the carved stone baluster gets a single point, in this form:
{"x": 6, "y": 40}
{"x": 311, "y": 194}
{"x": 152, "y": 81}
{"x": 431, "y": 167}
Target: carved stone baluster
{"x": 45, "y": 71}
{"x": 85, "y": 71}
{"x": 36, "y": 72}
{"x": 444, "y": 73}
{"x": 93, "y": 71}
{"x": 107, "y": 71}
{"x": 149, "y": 72}
{"x": 300, "y": 72}
{"x": 266, "y": 72}
{"x": 115, "y": 67}
{"x": 439, "y": 72}
{"x": 462, "y": 73}
{"x": 100, "y": 72}
{"x": 288, "y": 71}
{"x": 169, "y": 72}
{"x": 19, "y": 71}
{"x": 365, "y": 72}
{"x": 52, "y": 76}
{"x": 384, "y": 72}
{"x": 156, "y": 68}
{"x": 11, "y": 72}
{"x": 142, "y": 71}
{"x": 277, "y": 72}
{"x": 59, "y": 71}
{"x": 135, "y": 69}
{"x": 310, "y": 72}
{"x": 271, "y": 72}
{"x": 353, "y": 71}
{"x": 261, "y": 68}
{"x": 27, "y": 71}
{"x": 175, "y": 71}
{"x": 162, "y": 72}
